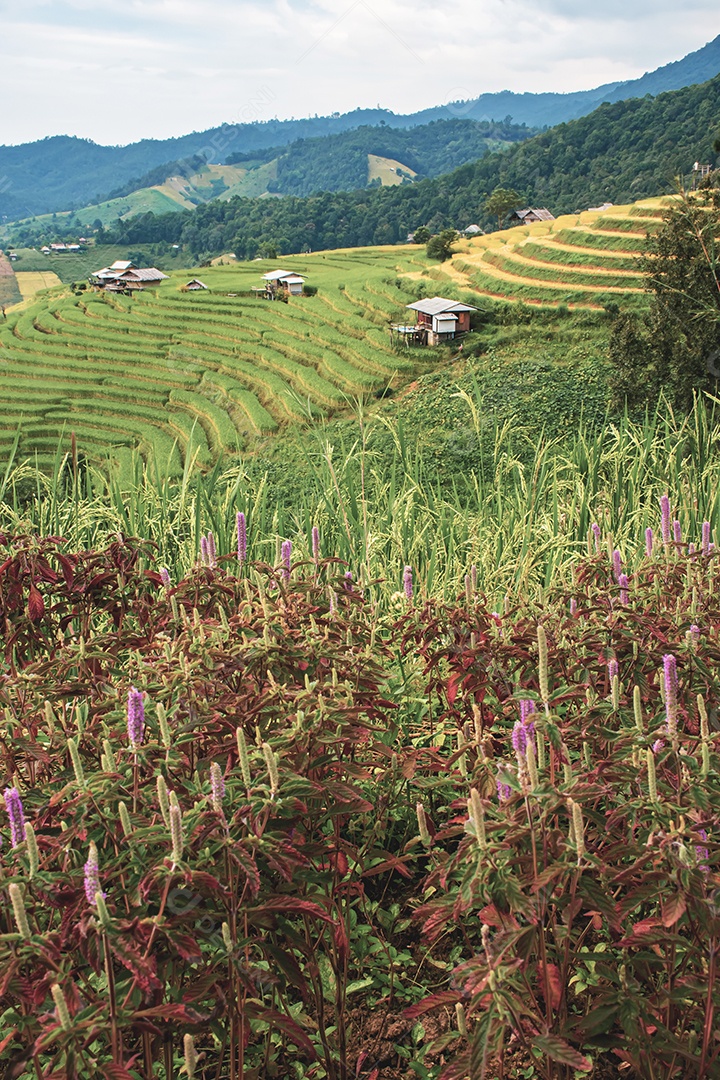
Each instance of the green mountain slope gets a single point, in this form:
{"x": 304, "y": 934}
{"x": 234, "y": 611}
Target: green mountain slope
{"x": 333, "y": 163}
{"x": 622, "y": 152}
{"x": 62, "y": 172}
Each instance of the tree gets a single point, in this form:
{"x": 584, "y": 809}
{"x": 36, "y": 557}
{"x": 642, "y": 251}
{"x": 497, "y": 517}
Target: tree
{"x": 675, "y": 348}
{"x": 440, "y": 246}
{"x": 501, "y": 202}
{"x": 421, "y": 235}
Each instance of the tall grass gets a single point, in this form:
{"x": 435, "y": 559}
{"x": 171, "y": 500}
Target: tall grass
{"x": 520, "y": 517}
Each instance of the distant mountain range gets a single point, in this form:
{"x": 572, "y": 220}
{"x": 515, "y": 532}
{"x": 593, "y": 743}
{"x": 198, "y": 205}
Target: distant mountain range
{"x": 65, "y": 173}
{"x": 366, "y": 156}
{"x": 619, "y": 153}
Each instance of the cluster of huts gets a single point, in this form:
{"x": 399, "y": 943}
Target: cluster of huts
{"x": 124, "y": 277}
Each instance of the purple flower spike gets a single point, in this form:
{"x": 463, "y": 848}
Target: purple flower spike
{"x": 204, "y": 555}
{"x": 624, "y": 583}
{"x": 504, "y": 791}
{"x": 14, "y": 807}
{"x": 657, "y": 746}
{"x": 705, "y": 537}
{"x": 573, "y": 607}
{"x": 286, "y": 553}
{"x": 596, "y": 533}
{"x": 671, "y": 687}
{"x": 691, "y": 551}
{"x": 694, "y": 633}
{"x": 520, "y": 738}
{"x": 165, "y": 575}
{"x": 408, "y": 583}
{"x": 135, "y": 717}
{"x": 648, "y": 542}
{"x": 665, "y": 518}
{"x": 315, "y": 543}
{"x": 211, "y": 550}
{"x": 348, "y": 580}
{"x": 217, "y": 785}
{"x": 617, "y": 564}
{"x": 613, "y": 669}
{"x": 241, "y": 529}
{"x": 92, "y": 876}
{"x": 527, "y": 708}
{"x": 677, "y": 532}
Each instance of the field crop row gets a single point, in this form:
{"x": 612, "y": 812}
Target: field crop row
{"x": 200, "y": 373}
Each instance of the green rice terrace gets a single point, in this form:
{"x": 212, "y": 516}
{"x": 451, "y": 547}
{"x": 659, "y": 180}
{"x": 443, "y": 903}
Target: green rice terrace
{"x": 190, "y": 375}
{"x": 201, "y": 372}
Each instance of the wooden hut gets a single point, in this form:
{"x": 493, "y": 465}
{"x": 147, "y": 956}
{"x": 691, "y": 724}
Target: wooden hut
{"x": 439, "y": 320}
{"x": 530, "y": 214}
{"x": 286, "y": 281}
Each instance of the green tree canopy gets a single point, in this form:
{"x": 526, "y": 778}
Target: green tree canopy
{"x": 676, "y": 347}
{"x": 440, "y": 246}
{"x": 501, "y": 201}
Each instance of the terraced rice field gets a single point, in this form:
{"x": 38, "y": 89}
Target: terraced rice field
{"x": 32, "y": 282}
{"x": 9, "y": 292}
{"x": 585, "y": 260}
{"x": 200, "y": 373}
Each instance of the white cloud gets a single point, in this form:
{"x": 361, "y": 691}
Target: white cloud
{"x": 180, "y": 65}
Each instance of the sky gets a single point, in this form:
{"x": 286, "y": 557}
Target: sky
{"x": 119, "y": 72}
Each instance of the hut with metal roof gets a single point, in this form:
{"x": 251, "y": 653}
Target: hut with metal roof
{"x": 124, "y": 276}
{"x": 530, "y": 214}
{"x": 438, "y": 320}
{"x": 286, "y": 280}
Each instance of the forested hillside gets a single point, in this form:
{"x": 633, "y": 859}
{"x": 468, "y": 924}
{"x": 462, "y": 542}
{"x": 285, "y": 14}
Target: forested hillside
{"x": 340, "y": 162}
{"x": 63, "y": 173}
{"x": 622, "y": 152}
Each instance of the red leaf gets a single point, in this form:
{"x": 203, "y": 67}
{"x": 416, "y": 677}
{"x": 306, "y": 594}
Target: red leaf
{"x": 185, "y": 945}
{"x": 550, "y": 979}
{"x": 172, "y": 1011}
{"x": 7, "y": 1039}
{"x": 36, "y": 605}
{"x": 391, "y": 863}
{"x": 130, "y": 957}
{"x": 116, "y": 1072}
{"x": 673, "y": 910}
{"x": 559, "y": 1050}
{"x": 452, "y": 686}
{"x": 493, "y": 917}
{"x": 292, "y": 906}
{"x": 434, "y": 1001}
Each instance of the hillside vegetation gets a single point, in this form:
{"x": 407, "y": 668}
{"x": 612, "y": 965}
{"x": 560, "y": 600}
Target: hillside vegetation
{"x": 334, "y": 163}
{"x": 198, "y": 373}
{"x": 623, "y": 152}
{"x": 589, "y": 260}
{"x": 61, "y": 172}
{"x": 207, "y": 372}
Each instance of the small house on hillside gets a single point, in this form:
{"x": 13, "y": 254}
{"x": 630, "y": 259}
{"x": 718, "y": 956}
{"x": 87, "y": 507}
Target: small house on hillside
{"x": 438, "y": 321}
{"x": 195, "y": 285}
{"x": 527, "y": 216}
{"x": 286, "y": 280}
{"x": 472, "y": 230}
{"x": 124, "y": 276}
